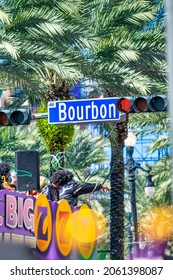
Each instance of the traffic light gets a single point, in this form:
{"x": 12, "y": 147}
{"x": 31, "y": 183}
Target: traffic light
{"x": 141, "y": 104}
{"x": 11, "y": 117}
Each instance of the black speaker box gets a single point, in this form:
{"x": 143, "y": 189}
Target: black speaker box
{"x": 28, "y": 170}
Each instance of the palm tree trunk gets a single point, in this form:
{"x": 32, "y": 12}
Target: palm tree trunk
{"x": 117, "y": 192}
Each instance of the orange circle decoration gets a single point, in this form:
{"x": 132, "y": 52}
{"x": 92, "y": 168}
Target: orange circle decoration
{"x": 86, "y": 234}
{"x": 42, "y": 222}
{"x": 157, "y": 223}
{"x": 63, "y": 235}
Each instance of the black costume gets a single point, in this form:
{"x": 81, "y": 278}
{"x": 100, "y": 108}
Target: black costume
{"x": 51, "y": 192}
{"x": 67, "y": 188}
{"x": 71, "y": 190}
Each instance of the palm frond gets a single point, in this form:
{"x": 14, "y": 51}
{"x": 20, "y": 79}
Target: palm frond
{"x": 161, "y": 142}
{"x": 4, "y": 16}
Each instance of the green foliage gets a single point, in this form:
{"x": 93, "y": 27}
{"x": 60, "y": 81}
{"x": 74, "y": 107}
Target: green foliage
{"x": 147, "y": 123}
{"x": 41, "y": 45}
{"x": 56, "y": 137}
{"x": 163, "y": 180}
{"x": 86, "y": 155}
{"x": 124, "y": 65}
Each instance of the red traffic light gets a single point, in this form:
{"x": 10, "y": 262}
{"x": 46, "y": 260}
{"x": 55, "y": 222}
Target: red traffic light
{"x": 123, "y": 105}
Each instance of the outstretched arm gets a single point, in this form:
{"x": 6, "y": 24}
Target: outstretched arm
{"x": 87, "y": 188}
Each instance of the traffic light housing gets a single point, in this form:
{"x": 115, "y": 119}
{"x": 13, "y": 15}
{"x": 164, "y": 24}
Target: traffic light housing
{"x": 141, "y": 104}
{"x": 12, "y": 117}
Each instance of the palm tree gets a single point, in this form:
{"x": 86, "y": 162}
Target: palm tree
{"x": 130, "y": 60}
{"x": 45, "y": 40}
{"x": 117, "y": 136}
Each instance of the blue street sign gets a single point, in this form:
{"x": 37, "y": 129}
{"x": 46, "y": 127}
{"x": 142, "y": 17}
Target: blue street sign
{"x": 83, "y": 111}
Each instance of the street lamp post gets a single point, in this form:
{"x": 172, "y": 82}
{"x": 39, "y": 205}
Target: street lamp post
{"x": 132, "y": 166}
{"x": 129, "y": 227}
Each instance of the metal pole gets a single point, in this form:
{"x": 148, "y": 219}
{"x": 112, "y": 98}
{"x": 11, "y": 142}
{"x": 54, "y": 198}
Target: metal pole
{"x": 132, "y": 189}
{"x": 39, "y": 116}
{"x": 130, "y": 239}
